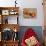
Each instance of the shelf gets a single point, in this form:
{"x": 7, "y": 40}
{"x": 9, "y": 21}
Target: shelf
{"x": 10, "y": 26}
{"x": 10, "y": 11}
{"x": 12, "y": 43}
{"x": 9, "y": 15}
{"x": 9, "y": 20}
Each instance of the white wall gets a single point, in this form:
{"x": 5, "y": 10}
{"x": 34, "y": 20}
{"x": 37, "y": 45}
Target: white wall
{"x": 38, "y": 21}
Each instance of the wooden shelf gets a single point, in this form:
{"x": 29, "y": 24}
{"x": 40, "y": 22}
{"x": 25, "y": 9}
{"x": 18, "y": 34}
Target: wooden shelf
{"x": 4, "y": 24}
{"x": 5, "y": 8}
{"x": 9, "y": 43}
{"x": 11, "y": 26}
{"x": 5, "y": 12}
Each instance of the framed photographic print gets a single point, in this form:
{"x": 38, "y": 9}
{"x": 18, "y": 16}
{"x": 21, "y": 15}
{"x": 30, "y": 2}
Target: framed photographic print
{"x": 5, "y": 12}
{"x": 29, "y": 12}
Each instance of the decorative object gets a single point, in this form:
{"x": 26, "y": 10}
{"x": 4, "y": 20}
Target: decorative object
{"x": 5, "y": 19}
{"x": 15, "y": 34}
{"x": 31, "y": 41}
{"x": 5, "y": 12}
{"x": 7, "y": 34}
{"x": 15, "y": 30}
{"x": 13, "y": 12}
{"x": 15, "y": 3}
{"x": 29, "y": 12}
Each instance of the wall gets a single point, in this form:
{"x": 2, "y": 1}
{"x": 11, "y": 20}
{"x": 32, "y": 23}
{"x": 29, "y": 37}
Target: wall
{"x": 38, "y": 21}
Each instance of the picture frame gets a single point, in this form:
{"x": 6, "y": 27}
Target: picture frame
{"x": 5, "y": 12}
{"x": 29, "y": 12}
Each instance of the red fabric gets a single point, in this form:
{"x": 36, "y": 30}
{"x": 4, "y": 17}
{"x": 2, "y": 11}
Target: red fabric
{"x": 29, "y": 33}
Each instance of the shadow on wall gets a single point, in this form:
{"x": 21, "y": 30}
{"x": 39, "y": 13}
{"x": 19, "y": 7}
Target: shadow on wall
{"x": 37, "y": 29}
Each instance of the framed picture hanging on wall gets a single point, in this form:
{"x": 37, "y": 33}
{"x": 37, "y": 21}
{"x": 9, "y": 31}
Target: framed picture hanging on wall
{"x": 30, "y": 12}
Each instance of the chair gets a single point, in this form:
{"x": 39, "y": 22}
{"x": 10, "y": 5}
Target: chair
{"x": 28, "y": 34}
